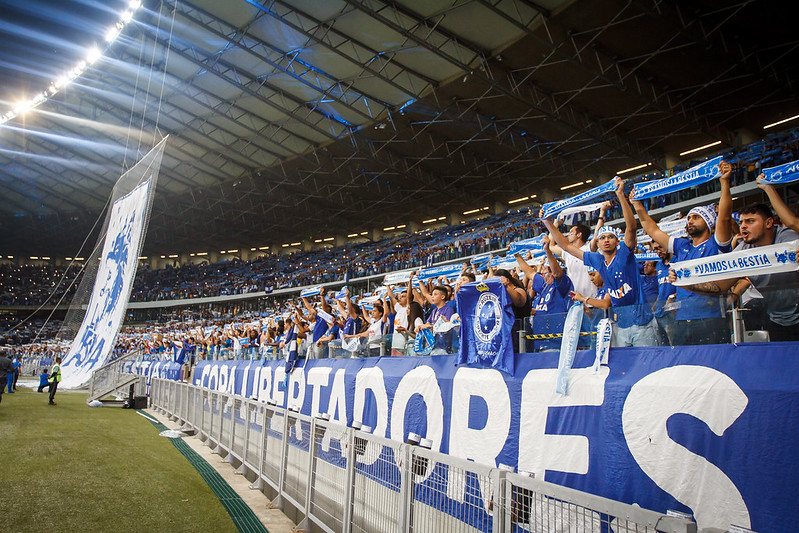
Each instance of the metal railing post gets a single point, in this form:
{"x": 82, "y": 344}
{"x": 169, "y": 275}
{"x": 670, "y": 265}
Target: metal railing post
{"x": 404, "y": 520}
{"x": 349, "y": 484}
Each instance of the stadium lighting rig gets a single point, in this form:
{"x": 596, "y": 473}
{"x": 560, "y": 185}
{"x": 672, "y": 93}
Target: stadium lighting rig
{"x": 92, "y": 55}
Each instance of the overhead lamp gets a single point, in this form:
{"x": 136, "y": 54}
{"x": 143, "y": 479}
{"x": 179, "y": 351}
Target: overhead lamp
{"x": 351, "y": 235}
{"x": 127, "y": 16}
{"x": 783, "y": 121}
{"x": 428, "y": 221}
{"x": 202, "y": 253}
{"x": 639, "y": 167}
{"x": 296, "y": 243}
{"x": 173, "y": 256}
{"x": 573, "y": 185}
{"x": 233, "y": 251}
{"x": 141, "y": 258}
{"x": 93, "y": 55}
{"x": 329, "y": 239}
{"x": 134, "y": 5}
{"x": 364, "y": 233}
{"x": 318, "y": 240}
{"x": 390, "y": 228}
{"x": 699, "y": 148}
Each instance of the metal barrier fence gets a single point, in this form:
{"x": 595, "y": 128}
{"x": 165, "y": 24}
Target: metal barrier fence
{"x": 111, "y": 376}
{"x": 339, "y": 479}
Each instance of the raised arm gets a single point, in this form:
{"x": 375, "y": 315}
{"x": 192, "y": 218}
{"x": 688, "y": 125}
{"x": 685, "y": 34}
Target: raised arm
{"x": 724, "y": 219}
{"x": 554, "y": 266}
{"x": 561, "y": 239}
{"x": 629, "y": 217}
{"x": 529, "y": 271}
{"x": 325, "y": 306}
{"x": 783, "y": 211}
{"x": 650, "y": 226}
{"x": 351, "y": 312}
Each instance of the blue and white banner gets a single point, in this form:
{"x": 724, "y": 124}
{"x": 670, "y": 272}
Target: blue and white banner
{"x": 604, "y": 336}
{"x": 686, "y": 179}
{"x": 106, "y": 309}
{"x": 342, "y": 293}
{"x": 787, "y": 173}
{"x": 486, "y": 322}
{"x": 311, "y": 291}
{"x": 480, "y": 261}
{"x": 649, "y": 256}
{"x": 590, "y": 208}
{"x": 536, "y": 243}
{"x": 553, "y": 208}
{"x": 447, "y": 271}
{"x": 709, "y": 430}
{"x": 325, "y": 316}
{"x": 673, "y": 228}
{"x": 398, "y": 278}
{"x": 568, "y": 346}
{"x": 772, "y": 259}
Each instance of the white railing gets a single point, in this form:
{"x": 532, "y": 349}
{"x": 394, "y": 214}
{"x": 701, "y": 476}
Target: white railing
{"x": 339, "y": 479}
{"x": 111, "y": 376}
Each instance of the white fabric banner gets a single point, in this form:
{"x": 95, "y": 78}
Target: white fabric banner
{"x": 106, "y": 309}
{"x": 772, "y": 259}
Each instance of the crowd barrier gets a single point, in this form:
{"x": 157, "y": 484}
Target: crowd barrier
{"x": 341, "y": 479}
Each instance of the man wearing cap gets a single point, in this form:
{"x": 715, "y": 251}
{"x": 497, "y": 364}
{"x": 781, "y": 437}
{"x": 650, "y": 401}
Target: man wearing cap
{"x": 55, "y": 379}
{"x": 616, "y": 263}
{"x": 699, "y": 319}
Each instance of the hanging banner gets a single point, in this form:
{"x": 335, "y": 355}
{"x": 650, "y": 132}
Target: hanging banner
{"x": 553, "y": 208}
{"x": 106, "y": 309}
{"x": 772, "y": 259}
{"x": 486, "y": 323}
{"x": 787, "y": 173}
{"x": 686, "y": 428}
{"x": 568, "y": 347}
{"x": 686, "y": 179}
{"x": 536, "y": 243}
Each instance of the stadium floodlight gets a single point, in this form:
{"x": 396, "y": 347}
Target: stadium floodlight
{"x": 296, "y": 243}
{"x": 112, "y": 32}
{"x": 428, "y": 221}
{"x": 699, "y": 148}
{"x": 352, "y": 235}
{"x": 517, "y": 200}
{"x": 93, "y": 55}
{"x": 390, "y": 228}
{"x": 127, "y": 16}
{"x": 318, "y": 240}
{"x": 134, "y": 5}
{"x": 328, "y": 239}
{"x": 573, "y": 185}
{"x": 783, "y": 121}
{"x": 233, "y": 251}
{"x": 639, "y": 167}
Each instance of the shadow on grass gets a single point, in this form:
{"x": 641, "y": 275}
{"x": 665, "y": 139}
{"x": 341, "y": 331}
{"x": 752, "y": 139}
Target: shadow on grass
{"x": 70, "y": 467}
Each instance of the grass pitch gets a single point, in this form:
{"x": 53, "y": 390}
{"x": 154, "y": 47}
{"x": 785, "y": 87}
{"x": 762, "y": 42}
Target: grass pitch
{"x": 70, "y": 467}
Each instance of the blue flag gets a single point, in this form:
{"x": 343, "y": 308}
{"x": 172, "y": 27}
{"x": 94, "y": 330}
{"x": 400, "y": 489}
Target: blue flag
{"x": 782, "y": 174}
{"x": 486, "y": 323}
{"x": 291, "y": 349}
{"x": 553, "y": 208}
{"x": 686, "y": 179}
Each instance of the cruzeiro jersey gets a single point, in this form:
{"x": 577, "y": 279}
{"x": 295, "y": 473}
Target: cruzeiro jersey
{"x": 623, "y": 284}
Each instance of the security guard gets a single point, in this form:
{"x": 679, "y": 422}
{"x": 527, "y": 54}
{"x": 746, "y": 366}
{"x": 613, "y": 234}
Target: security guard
{"x": 55, "y": 379}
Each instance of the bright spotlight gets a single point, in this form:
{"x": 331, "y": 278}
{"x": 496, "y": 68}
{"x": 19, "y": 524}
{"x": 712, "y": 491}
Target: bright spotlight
{"x": 134, "y": 5}
{"x": 93, "y": 55}
{"x": 111, "y": 34}
{"x": 127, "y": 16}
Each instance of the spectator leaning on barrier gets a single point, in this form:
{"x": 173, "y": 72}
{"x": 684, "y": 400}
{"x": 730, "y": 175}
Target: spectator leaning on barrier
{"x": 700, "y": 319}
{"x": 664, "y": 315}
{"x": 780, "y": 291}
{"x": 616, "y": 264}
{"x": 578, "y": 271}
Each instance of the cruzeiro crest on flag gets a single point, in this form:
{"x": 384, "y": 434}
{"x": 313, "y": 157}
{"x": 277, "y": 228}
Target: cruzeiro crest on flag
{"x": 488, "y": 313}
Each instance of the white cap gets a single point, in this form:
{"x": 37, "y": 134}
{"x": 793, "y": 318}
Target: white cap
{"x": 323, "y": 416}
{"x": 356, "y": 424}
{"x": 366, "y": 429}
{"x": 414, "y": 438}
{"x": 526, "y": 473}
{"x": 505, "y": 467}
{"x": 426, "y": 443}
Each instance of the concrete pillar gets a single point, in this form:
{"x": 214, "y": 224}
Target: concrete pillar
{"x": 413, "y": 227}
{"x": 453, "y": 219}
{"x": 672, "y": 161}
{"x": 376, "y": 234}
{"x": 498, "y": 208}
{"x": 341, "y": 239}
{"x": 308, "y": 245}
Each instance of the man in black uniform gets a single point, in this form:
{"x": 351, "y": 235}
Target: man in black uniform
{"x": 6, "y": 367}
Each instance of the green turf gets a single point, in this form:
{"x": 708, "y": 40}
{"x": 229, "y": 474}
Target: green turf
{"x": 70, "y": 467}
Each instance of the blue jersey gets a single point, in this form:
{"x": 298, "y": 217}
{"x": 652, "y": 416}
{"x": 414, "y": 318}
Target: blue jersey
{"x": 649, "y": 284}
{"x": 352, "y": 326}
{"x": 692, "y": 305}
{"x": 554, "y": 297}
{"x": 319, "y": 329}
{"x": 623, "y": 284}
{"x": 665, "y": 289}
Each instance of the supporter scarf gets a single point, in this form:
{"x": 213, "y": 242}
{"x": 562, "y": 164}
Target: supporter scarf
{"x": 604, "y": 333}
{"x": 423, "y": 344}
{"x": 448, "y": 271}
{"x": 787, "y": 173}
{"x": 311, "y": 291}
{"x": 291, "y": 349}
{"x": 673, "y": 228}
{"x": 553, "y": 208}
{"x": 324, "y": 316}
{"x": 568, "y": 346}
{"x": 590, "y": 208}
{"x": 536, "y": 243}
{"x": 649, "y": 256}
{"x": 772, "y": 259}
{"x": 686, "y": 179}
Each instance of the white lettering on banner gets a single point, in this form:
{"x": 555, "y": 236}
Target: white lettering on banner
{"x": 539, "y": 451}
{"x": 318, "y": 377}
{"x": 713, "y": 398}
{"x": 771, "y": 259}
{"x": 371, "y": 379}
{"x": 213, "y": 377}
{"x": 280, "y": 377}
{"x": 223, "y": 379}
{"x": 296, "y": 390}
{"x": 421, "y": 380}
{"x": 265, "y": 384}
{"x": 481, "y": 445}
{"x": 336, "y": 408}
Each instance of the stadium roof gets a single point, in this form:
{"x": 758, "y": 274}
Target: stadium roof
{"x": 299, "y": 119}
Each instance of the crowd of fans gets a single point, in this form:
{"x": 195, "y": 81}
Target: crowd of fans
{"x": 585, "y": 261}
